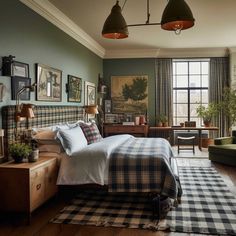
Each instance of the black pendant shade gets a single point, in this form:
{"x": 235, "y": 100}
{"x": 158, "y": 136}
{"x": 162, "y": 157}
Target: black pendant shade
{"x": 115, "y": 26}
{"x": 177, "y": 16}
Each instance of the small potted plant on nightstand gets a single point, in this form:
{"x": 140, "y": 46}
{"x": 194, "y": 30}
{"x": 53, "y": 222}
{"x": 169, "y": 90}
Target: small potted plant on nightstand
{"x": 19, "y": 151}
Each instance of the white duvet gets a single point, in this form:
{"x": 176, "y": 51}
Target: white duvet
{"x": 89, "y": 165}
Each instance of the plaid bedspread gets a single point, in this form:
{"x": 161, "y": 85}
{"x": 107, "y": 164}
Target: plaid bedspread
{"x": 142, "y": 165}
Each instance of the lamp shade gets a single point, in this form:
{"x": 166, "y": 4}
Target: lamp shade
{"x": 115, "y": 26}
{"x": 177, "y": 16}
{"x": 92, "y": 109}
{"x": 27, "y": 111}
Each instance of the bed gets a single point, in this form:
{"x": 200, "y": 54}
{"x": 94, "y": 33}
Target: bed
{"x": 123, "y": 163}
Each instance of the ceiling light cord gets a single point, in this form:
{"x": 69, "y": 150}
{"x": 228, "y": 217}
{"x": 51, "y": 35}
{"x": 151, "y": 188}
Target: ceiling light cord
{"x": 148, "y": 13}
{"x": 123, "y": 5}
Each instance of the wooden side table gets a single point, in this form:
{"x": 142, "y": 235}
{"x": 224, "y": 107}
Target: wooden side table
{"x": 25, "y": 186}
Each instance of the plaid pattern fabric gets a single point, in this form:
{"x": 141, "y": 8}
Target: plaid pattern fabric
{"x": 44, "y": 116}
{"x": 141, "y": 165}
{"x": 91, "y": 132}
{"x": 207, "y": 206}
{"x": 102, "y": 209}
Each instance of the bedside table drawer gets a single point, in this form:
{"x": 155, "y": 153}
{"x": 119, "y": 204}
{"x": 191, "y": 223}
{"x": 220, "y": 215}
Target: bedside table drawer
{"x": 37, "y": 188}
{"x": 51, "y": 172}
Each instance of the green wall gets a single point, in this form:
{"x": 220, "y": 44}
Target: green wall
{"x": 113, "y": 67}
{"x": 32, "y": 39}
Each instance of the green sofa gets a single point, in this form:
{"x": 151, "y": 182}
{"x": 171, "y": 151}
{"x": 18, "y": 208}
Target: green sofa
{"x": 224, "y": 150}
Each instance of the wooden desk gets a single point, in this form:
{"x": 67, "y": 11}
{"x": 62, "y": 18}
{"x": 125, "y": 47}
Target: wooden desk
{"x": 125, "y": 129}
{"x": 199, "y": 129}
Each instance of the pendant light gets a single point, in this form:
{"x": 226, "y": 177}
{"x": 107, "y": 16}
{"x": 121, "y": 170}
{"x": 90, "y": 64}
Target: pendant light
{"x": 176, "y": 16}
{"x": 115, "y": 26}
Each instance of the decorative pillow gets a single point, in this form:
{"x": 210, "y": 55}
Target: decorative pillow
{"x": 45, "y": 137}
{"x": 55, "y": 148}
{"x": 74, "y": 124}
{"x": 41, "y": 129}
{"x": 72, "y": 140}
{"x": 91, "y": 132}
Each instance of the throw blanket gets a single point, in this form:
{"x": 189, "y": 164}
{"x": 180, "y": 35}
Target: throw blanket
{"x": 142, "y": 165}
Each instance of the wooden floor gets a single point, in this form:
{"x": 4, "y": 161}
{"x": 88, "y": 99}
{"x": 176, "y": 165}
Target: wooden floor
{"x": 39, "y": 225}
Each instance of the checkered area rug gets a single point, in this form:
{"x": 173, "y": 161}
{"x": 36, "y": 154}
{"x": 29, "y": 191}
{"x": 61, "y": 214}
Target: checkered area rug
{"x": 207, "y": 207}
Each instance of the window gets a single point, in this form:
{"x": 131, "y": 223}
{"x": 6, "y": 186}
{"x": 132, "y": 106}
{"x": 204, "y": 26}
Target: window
{"x": 190, "y": 88}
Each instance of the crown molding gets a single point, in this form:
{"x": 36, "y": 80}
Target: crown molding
{"x": 193, "y": 52}
{"x": 168, "y": 53}
{"x": 132, "y": 53}
{"x": 59, "y": 19}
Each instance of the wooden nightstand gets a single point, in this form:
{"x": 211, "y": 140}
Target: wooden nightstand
{"x": 25, "y": 186}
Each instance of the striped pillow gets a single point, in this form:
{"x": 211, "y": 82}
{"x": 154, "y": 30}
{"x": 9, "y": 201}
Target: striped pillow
{"x": 91, "y": 132}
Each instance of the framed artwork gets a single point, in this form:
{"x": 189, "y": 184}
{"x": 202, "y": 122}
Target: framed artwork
{"x": 89, "y": 93}
{"x": 129, "y": 94}
{"x": 19, "y": 69}
{"x": 107, "y": 106}
{"x": 74, "y": 88}
{"x": 18, "y": 83}
{"x": 49, "y": 82}
{"x": 89, "y": 96}
{"x": 14, "y": 68}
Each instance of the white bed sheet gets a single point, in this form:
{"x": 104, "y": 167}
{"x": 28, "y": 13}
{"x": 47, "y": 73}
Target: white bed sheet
{"x": 89, "y": 165}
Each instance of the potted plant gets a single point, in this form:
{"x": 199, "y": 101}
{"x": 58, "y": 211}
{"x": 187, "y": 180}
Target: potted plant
{"x": 162, "y": 120}
{"x": 19, "y": 151}
{"x": 228, "y": 106}
{"x": 206, "y": 113}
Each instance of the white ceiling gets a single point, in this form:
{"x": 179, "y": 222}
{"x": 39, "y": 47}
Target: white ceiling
{"x": 215, "y": 24}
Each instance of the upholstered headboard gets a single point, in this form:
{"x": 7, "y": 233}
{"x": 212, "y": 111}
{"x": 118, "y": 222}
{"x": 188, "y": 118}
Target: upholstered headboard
{"x": 44, "y": 116}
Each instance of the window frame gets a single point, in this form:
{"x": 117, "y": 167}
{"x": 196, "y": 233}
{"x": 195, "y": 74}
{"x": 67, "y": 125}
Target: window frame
{"x": 189, "y": 88}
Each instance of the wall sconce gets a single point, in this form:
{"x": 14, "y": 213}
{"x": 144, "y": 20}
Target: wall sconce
{"x": 176, "y": 16}
{"x": 24, "y": 111}
{"x": 95, "y": 110}
{"x": 90, "y": 110}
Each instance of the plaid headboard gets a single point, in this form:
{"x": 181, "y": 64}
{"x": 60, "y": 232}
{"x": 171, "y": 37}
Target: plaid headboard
{"x": 44, "y": 116}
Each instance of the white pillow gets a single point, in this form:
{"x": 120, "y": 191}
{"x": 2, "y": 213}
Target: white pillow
{"x": 72, "y": 140}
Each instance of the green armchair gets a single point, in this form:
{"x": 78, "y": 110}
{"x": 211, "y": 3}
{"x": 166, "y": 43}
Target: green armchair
{"x": 224, "y": 150}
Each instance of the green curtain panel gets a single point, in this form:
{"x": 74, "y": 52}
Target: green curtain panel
{"x": 218, "y": 81}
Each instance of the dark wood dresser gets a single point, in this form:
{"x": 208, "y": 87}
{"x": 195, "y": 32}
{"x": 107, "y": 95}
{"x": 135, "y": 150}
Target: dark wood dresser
{"x": 136, "y": 130}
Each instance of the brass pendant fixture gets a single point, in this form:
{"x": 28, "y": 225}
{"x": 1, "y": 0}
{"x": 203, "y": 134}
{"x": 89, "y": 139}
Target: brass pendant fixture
{"x": 176, "y": 16}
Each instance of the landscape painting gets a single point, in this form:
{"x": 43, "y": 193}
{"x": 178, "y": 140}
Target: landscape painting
{"x": 129, "y": 94}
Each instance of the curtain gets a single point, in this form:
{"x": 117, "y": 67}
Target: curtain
{"x": 164, "y": 88}
{"x": 218, "y": 81}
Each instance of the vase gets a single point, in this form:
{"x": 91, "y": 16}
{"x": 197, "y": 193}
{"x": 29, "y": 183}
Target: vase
{"x": 207, "y": 123}
{"x": 34, "y": 155}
